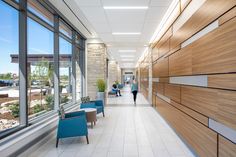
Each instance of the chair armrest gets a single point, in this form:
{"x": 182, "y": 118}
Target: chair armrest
{"x": 98, "y": 103}
{"x": 75, "y": 114}
{"x": 88, "y": 105}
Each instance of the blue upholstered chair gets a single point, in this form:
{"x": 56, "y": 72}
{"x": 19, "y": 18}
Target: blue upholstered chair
{"x": 72, "y": 125}
{"x": 98, "y": 104}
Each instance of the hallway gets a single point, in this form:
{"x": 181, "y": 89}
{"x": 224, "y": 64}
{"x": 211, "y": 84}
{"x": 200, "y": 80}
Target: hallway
{"x": 127, "y": 99}
{"x": 126, "y": 131}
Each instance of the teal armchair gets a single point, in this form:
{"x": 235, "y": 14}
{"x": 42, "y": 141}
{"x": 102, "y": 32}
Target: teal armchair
{"x": 74, "y": 124}
{"x": 98, "y": 104}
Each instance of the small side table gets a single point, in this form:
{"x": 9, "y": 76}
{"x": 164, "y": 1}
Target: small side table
{"x": 91, "y": 115}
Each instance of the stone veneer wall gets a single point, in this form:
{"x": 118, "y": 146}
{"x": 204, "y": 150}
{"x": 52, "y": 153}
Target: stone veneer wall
{"x": 96, "y": 66}
{"x": 114, "y": 73}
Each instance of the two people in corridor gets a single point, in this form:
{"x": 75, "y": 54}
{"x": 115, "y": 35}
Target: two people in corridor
{"x": 134, "y": 90}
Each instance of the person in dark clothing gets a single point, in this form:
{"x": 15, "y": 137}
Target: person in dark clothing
{"x": 116, "y": 89}
{"x": 134, "y": 89}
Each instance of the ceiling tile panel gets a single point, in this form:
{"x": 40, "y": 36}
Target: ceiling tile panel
{"x": 88, "y": 2}
{"x": 160, "y": 2}
{"x": 125, "y": 2}
{"x": 94, "y": 14}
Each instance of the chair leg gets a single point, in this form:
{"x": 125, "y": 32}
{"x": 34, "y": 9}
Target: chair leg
{"x": 87, "y": 139}
{"x": 103, "y": 114}
{"x": 57, "y": 142}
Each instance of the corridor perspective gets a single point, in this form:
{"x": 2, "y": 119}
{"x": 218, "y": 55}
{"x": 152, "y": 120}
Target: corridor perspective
{"x": 118, "y": 78}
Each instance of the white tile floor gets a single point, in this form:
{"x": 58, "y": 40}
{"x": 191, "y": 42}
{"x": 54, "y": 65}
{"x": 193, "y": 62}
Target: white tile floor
{"x": 126, "y": 131}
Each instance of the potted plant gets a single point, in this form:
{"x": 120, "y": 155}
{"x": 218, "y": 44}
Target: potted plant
{"x": 101, "y": 85}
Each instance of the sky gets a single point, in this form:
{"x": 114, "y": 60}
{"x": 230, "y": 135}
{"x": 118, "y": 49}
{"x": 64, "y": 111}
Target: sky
{"x": 40, "y": 39}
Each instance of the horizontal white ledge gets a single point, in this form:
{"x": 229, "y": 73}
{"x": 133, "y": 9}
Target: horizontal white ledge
{"x": 223, "y": 130}
{"x": 163, "y": 97}
{"x": 200, "y": 80}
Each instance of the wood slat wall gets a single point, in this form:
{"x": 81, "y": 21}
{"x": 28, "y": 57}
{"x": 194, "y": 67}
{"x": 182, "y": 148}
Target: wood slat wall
{"x": 212, "y": 55}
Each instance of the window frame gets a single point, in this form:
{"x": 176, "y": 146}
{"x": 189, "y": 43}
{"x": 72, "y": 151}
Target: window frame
{"x": 21, "y": 7}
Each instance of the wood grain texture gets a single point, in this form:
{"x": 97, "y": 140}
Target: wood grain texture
{"x": 200, "y": 138}
{"x": 155, "y": 55}
{"x": 180, "y": 63}
{"x": 164, "y": 48}
{"x": 173, "y": 92}
{"x": 160, "y": 68}
{"x": 154, "y": 86}
{"x": 202, "y": 100}
{"x": 160, "y": 88}
{"x": 219, "y": 105}
{"x": 208, "y": 12}
{"x": 227, "y": 16}
{"x": 226, "y": 113}
{"x": 215, "y": 52}
{"x": 192, "y": 113}
{"x": 173, "y": 51}
{"x": 226, "y": 148}
{"x": 225, "y": 81}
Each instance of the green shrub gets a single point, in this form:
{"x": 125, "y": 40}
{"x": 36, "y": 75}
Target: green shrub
{"x": 101, "y": 85}
{"x": 49, "y": 102}
{"x": 64, "y": 99}
{"x": 37, "y": 108}
{"x": 15, "y": 109}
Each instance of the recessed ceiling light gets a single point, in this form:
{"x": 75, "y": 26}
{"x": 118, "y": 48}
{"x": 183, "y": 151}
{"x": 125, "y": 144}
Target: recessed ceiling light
{"x": 126, "y": 50}
{"x": 125, "y": 7}
{"x": 126, "y": 56}
{"x": 126, "y": 33}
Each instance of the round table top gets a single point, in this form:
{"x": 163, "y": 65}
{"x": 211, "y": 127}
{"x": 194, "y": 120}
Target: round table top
{"x": 89, "y": 109}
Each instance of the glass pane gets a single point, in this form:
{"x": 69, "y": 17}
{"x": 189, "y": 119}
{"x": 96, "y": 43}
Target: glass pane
{"x": 40, "y": 69}
{"x": 65, "y": 71}
{"x": 40, "y": 11}
{"x": 9, "y": 67}
{"x": 64, "y": 29}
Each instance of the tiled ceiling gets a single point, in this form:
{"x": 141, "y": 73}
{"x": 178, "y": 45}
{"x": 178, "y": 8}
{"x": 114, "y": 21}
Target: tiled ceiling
{"x": 104, "y": 22}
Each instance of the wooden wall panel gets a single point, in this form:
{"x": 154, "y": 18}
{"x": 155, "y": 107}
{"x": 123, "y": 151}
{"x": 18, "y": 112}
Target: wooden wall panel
{"x": 164, "y": 48}
{"x": 202, "y": 100}
{"x": 154, "y": 86}
{"x": 160, "y": 68}
{"x": 226, "y": 148}
{"x": 209, "y": 11}
{"x": 215, "y": 52}
{"x": 226, "y": 113}
{"x": 227, "y": 16}
{"x": 180, "y": 63}
{"x": 201, "y": 138}
{"x": 219, "y": 105}
{"x": 155, "y": 53}
{"x": 172, "y": 92}
{"x": 160, "y": 88}
{"x": 225, "y": 81}
{"x": 194, "y": 114}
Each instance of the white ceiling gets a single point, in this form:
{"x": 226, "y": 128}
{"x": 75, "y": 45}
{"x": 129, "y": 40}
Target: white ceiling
{"x": 104, "y": 22}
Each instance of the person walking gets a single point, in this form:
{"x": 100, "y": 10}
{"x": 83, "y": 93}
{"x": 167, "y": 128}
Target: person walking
{"x": 134, "y": 89}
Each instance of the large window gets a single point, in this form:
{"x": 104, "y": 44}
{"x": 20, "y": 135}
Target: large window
{"x": 65, "y": 71}
{"x": 9, "y": 67}
{"x": 40, "y": 69}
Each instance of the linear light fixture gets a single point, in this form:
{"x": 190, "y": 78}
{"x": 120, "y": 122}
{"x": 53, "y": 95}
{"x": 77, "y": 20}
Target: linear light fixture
{"x": 126, "y": 50}
{"x": 126, "y": 56}
{"x": 125, "y": 7}
{"x": 126, "y": 33}
{"x": 164, "y": 20}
